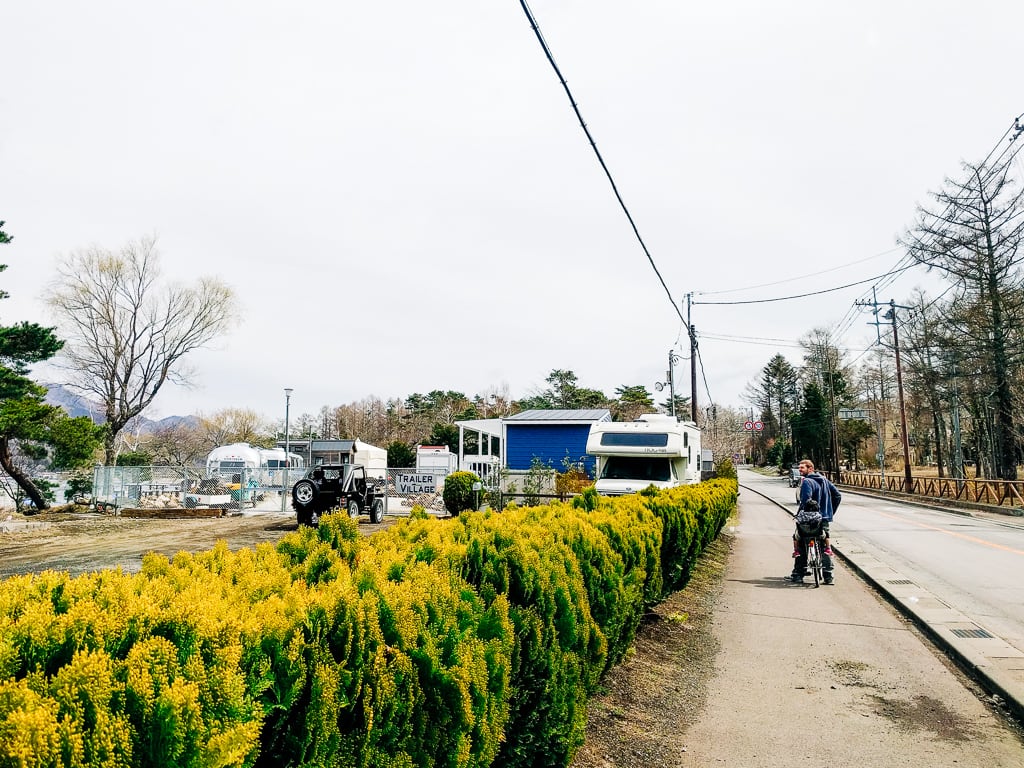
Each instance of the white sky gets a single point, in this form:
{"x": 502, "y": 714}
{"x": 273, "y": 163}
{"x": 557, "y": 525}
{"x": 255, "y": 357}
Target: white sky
{"x": 404, "y": 201}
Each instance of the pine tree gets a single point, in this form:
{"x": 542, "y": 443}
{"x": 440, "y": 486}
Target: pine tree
{"x": 29, "y": 427}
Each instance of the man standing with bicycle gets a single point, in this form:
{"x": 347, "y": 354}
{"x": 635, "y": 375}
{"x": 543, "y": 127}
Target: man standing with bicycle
{"x": 816, "y": 488}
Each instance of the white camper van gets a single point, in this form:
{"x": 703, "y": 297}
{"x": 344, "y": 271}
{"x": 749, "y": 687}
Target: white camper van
{"x": 654, "y": 450}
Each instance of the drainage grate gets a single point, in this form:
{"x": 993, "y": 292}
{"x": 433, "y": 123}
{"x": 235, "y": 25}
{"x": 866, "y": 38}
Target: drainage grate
{"x": 970, "y": 633}
{"x": 900, "y": 581}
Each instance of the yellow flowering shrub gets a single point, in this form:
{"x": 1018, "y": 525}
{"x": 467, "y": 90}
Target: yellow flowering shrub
{"x": 471, "y": 641}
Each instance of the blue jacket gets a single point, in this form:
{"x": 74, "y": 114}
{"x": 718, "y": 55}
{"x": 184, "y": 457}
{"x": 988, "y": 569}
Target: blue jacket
{"x": 823, "y": 491}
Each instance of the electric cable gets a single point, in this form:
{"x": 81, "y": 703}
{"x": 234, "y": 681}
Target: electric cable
{"x": 797, "y": 277}
{"x": 600, "y": 159}
{"x": 799, "y": 295}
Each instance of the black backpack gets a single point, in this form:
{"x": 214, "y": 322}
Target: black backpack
{"x": 808, "y": 518}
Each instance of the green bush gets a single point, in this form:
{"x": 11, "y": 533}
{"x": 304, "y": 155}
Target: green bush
{"x": 726, "y": 469}
{"x": 458, "y": 492}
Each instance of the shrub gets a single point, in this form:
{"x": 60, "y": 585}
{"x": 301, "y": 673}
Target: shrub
{"x": 458, "y": 492}
{"x": 726, "y": 469}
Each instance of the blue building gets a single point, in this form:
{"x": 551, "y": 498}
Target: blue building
{"x": 553, "y": 436}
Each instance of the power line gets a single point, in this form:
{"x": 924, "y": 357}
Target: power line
{"x": 797, "y": 277}
{"x": 800, "y": 295}
{"x": 600, "y": 159}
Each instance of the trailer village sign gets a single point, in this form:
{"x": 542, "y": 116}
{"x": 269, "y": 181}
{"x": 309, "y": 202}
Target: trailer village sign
{"x": 420, "y": 482}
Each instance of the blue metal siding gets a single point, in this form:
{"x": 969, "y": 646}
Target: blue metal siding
{"x": 549, "y": 443}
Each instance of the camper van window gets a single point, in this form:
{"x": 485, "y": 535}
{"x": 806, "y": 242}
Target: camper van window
{"x": 686, "y": 438}
{"x": 635, "y": 439}
{"x": 645, "y": 468}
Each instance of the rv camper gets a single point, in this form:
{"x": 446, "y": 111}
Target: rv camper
{"x": 263, "y": 464}
{"x": 654, "y": 450}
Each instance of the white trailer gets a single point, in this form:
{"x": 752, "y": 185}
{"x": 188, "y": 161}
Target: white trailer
{"x": 654, "y": 450}
{"x": 242, "y": 458}
{"x": 373, "y": 458}
{"x": 437, "y": 459}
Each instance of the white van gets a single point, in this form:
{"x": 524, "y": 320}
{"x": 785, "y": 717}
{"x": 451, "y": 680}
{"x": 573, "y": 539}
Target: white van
{"x": 654, "y": 450}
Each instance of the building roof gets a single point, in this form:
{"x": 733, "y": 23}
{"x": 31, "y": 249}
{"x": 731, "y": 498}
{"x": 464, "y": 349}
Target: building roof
{"x": 487, "y": 426}
{"x": 554, "y": 414}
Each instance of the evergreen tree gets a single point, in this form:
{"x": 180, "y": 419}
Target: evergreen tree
{"x": 31, "y": 431}
{"x": 811, "y": 426}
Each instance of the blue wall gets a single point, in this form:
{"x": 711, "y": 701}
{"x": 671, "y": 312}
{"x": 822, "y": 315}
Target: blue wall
{"x": 549, "y": 443}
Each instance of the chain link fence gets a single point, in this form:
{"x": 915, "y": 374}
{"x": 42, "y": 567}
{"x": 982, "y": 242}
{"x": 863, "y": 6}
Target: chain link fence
{"x": 407, "y": 488}
{"x": 129, "y": 490}
{"x": 194, "y": 491}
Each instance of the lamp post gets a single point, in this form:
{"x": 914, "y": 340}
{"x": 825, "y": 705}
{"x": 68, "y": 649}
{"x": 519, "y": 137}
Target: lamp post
{"x": 287, "y": 449}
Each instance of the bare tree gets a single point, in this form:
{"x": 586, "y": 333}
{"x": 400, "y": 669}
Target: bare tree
{"x": 127, "y": 335}
{"x": 235, "y": 425}
{"x": 973, "y": 237}
{"x": 179, "y": 444}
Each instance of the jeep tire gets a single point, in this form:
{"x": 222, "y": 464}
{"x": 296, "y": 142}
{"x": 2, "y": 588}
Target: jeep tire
{"x": 353, "y": 508}
{"x": 304, "y": 493}
{"x": 377, "y": 511}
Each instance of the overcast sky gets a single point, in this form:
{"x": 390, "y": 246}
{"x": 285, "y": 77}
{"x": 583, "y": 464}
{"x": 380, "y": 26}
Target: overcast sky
{"x": 403, "y": 199}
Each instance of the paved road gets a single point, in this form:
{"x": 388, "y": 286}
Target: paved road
{"x": 829, "y": 677}
{"x": 960, "y": 575}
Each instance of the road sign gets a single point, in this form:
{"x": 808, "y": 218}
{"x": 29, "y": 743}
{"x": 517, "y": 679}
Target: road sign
{"x": 758, "y": 426}
{"x": 854, "y": 413}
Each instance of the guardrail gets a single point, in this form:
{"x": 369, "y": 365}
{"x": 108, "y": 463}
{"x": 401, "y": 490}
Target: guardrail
{"x": 1000, "y": 493}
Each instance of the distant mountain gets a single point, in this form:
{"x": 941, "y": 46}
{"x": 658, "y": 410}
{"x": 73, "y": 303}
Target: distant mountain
{"x": 76, "y": 405}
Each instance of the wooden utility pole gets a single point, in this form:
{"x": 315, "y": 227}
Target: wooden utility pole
{"x": 693, "y": 360}
{"x": 908, "y": 480}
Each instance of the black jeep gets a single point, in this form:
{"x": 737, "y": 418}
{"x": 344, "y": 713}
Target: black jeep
{"x": 337, "y": 486}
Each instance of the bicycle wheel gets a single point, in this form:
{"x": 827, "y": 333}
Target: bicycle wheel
{"x": 814, "y": 560}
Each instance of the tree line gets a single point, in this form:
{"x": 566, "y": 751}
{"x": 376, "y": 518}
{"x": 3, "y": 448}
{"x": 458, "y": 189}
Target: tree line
{"x": 961, "y": 350}
{"x": 125, "y": 333}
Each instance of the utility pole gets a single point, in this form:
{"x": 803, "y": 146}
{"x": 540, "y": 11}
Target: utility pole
{"x": 693, "y": 360}
{"x": 907, "y": 475}
{"x": 958, "y": 450}
{"x": 881, "y": 385}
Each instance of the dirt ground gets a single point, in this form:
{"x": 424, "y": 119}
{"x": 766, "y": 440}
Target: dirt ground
{"x": 79, "y": 542}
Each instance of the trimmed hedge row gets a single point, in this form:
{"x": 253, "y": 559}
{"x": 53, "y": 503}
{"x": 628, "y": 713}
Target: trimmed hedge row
{"x": 470, "y": 641}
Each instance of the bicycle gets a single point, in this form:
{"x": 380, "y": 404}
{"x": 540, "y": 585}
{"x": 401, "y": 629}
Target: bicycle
{"x": 814, "y": 562}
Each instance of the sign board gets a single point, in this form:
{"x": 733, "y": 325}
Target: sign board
{"x": 416, "y": 482}
{"x": 753, "y": 426}
{"x": 854, "y": 413}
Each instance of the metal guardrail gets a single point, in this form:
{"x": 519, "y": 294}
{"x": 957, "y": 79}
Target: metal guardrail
{"x": 1000, "y": 493}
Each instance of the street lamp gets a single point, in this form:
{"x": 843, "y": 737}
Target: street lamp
{"x": 287, "y": 449}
